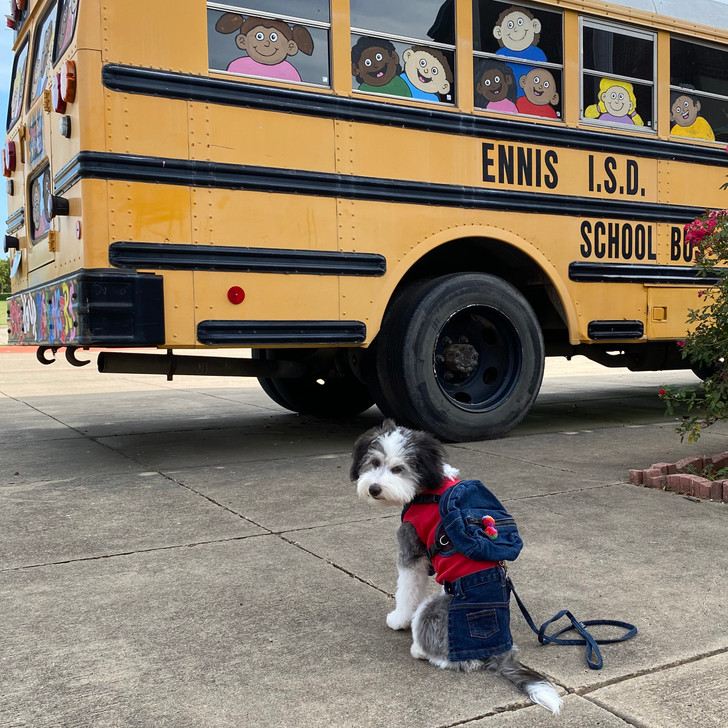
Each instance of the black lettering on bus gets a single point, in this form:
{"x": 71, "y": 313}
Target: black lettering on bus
{"x": 525, "y": 166}
{"x": 676, "y": 235}
{"x": 600, "y": 248}
{"x": 632, "y": 177}
{"x": 639, "y": 242}
{"x": 626, "y": 242}
{"x": 651, "y": 252}
{"x": 551, "y": 159}
{"x": 487, "y": 162}
{"x": 610, "y": 184}
{"x": 613, "y": 240}
{"x": 538, "y": 168}
{"x": 591, "y": 173}
{"x": 586, "y": 246}
{"x": 505, "y": 163}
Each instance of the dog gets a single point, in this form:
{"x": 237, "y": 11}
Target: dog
{"x": 465, "y": 628}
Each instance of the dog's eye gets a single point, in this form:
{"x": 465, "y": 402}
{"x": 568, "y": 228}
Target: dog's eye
{"x": 397, "y": 469}
{"x": 375, "y": 463}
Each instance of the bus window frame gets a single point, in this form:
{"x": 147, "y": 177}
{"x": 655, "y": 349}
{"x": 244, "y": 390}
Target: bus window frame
{"x": 58, "y": 52}
{"x": 25, "y": 45}
{"x": 37, "y": 40}
{"x": 696, "y": 92}
{"x": 548, "y": 65}
{"x": 632, "y": 32}
{"x": 290, "y": 19}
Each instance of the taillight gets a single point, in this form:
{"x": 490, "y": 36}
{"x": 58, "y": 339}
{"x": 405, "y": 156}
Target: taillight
{"x": 63, "y": 87}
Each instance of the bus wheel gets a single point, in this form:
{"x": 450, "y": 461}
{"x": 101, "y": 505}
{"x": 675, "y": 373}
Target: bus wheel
{"x": 460, "y": 356}
{"x": 703, "y": 371}
{"x": 333, "y": 392}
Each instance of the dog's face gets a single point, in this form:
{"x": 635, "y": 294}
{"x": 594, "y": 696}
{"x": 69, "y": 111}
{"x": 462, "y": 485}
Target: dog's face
{"x": 393, "y": 464}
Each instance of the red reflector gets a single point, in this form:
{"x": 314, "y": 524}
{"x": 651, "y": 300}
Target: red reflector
{"x": 9, "y": 159}
{"x": 59, "y": 105}
{"x": 236, "y": 295}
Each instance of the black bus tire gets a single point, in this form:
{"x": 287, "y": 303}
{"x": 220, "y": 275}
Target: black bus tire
{"x": 319, "y": 395}
{"x": 460, "y": 356}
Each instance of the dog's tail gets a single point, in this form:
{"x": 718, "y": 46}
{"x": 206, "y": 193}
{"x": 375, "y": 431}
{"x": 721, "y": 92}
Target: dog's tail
{"x": 528, "y": 681}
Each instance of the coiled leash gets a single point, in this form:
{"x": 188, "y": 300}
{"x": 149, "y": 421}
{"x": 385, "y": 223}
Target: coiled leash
{"x": 593, "y": 655}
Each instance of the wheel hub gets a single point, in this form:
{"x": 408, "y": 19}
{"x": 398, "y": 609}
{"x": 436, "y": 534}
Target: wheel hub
{"x": 460, "y": 359}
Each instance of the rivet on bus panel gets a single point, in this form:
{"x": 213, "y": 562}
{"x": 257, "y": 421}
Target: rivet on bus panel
{"x": 236, "y": 295}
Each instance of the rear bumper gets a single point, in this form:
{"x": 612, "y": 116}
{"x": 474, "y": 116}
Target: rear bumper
{"x": 90, "y": 308}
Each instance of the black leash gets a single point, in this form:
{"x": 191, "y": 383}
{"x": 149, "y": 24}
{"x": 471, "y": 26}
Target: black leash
{"x": 593, "y": 655}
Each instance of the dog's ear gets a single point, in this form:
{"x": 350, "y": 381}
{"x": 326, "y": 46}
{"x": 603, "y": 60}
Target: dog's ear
{"x": 362, "y": 444}
{"x": 429, "y": 461}
{"x": 389, "y": 425}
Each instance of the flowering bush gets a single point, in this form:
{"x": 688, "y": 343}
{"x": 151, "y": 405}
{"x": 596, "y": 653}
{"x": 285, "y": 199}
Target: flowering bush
{"x": 706, "y": 346}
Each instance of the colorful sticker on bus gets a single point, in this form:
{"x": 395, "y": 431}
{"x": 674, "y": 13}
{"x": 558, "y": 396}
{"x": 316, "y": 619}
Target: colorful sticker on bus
{"x": 44, "y": 316}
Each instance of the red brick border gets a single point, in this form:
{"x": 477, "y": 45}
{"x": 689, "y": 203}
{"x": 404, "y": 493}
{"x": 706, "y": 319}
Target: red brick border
{"x": 675, "y": 477}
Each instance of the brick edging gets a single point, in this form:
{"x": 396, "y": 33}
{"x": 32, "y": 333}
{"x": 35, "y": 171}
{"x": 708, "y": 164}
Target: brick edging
{"x": 673, "y": 476}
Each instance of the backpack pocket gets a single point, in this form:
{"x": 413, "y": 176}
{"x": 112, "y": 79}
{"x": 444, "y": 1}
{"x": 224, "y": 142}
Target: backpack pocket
{"x": 477, "y": 525}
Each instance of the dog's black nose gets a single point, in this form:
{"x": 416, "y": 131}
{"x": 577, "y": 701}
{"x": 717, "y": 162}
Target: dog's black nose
{"x": 375, "y": 490}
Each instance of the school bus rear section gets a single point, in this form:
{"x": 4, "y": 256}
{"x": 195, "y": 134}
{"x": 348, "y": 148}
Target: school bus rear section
{"x": 409, "y": 204}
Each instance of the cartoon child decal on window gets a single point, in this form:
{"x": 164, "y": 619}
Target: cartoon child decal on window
{"x": 375, "y": 66}
{"x": 69, "y": 8}
{"x": 518, "y": 32}
{"x": 427, "y": 73}
{"x": 41, "y": 66}
{"x": 617, "y": 103}
{"x": 540, "y": 95}
{"x": 495, "y": 86}
{"x": 268, "y": 44}
{"x": 685, "y": 113}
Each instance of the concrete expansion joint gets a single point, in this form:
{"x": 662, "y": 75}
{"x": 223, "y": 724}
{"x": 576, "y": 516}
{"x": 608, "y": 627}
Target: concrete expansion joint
{"x": 336, "y": 566}
{"x": 586, "y": 690}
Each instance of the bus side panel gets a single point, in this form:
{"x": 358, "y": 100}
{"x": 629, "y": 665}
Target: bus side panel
{"x": 156, "y": 34}
{"x": 146, "y": 125}
{"x": 247, "y": 136}
{"x": 264, "y": 220}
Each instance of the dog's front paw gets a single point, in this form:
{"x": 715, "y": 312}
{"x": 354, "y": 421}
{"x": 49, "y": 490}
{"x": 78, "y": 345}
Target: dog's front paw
{"x": 397, "y": 620}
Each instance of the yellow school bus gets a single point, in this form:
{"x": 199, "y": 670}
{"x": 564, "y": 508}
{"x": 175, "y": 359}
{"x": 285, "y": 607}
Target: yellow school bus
{"x": 404, "y": 203}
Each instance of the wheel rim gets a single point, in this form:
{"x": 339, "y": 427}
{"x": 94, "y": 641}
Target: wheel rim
{"x": 477, "y": 358}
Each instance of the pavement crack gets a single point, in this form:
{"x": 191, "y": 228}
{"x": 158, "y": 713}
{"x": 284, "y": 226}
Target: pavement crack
{"x": 584, "y": 691}
{"x": 336, "y": 566}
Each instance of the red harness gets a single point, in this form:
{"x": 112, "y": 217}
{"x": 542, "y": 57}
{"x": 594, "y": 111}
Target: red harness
{"x": 425, "y": 517}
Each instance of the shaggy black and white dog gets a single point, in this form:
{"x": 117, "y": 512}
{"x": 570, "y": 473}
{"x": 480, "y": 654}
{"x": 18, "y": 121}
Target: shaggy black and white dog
{"x": 391, "y": 466}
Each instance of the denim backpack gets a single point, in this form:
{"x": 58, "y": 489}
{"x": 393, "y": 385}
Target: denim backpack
{"x": 475, "y": 523}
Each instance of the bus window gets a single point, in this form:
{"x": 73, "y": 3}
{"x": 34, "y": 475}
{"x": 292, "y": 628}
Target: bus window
{"x": 42, "y": 47}
{"x": 66, "y": 23}
{"x": 263, "y": 41}
{"x": 518, "y": 59}
{"x": 698, "y": 91}
{"x": 404, "y": 49}
{"x": 39, "y": 192}
{"x": 20, "y": 67}
{"x": 618, "y": 75}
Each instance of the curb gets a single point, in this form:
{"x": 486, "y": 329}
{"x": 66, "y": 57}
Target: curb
{"x": 682, "y": 477}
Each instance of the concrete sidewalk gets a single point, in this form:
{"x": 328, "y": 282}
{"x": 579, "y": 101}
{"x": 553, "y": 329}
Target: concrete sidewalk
{"x": 187, "y": 553}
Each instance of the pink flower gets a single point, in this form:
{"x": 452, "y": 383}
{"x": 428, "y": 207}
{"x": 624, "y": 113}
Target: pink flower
{"x": 661, "y": 393}
{"x": 680, "y": 343}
